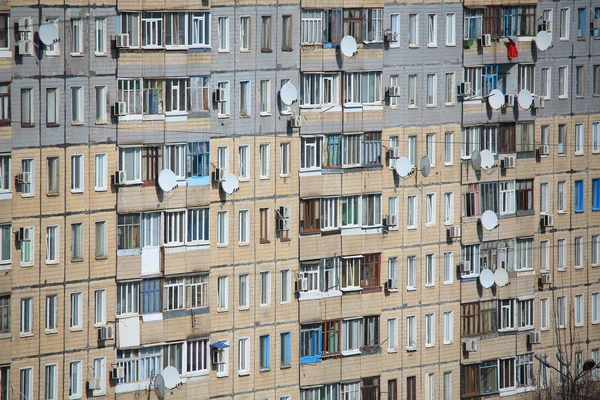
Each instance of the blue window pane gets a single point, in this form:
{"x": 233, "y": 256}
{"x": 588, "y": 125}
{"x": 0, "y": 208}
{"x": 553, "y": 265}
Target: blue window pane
{"x": 596, "y": 194}
{"x": 265, "y": 352}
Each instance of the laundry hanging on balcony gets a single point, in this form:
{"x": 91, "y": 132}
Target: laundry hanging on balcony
{"x": 513, "y": 51}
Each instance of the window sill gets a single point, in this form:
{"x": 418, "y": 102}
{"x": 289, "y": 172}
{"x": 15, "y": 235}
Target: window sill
{"x": 578, "y": 153}
{"x": 6, "y": 335}
{"x": 243, "y": 308}
{"x": 51, "y": 331}
{"x": 76, "y": 329}
{"x": 431, "y": 105}
{"x": 450, "y": 44}
{"x": 101, "y": 122}
{"x": 392, "y": 351}
{"x": 27, "y": 125}
{"x": 27, "y": 265}
{"x": 430, "y": 346}
{"x": 413, "y": 46}
{"x": 77, "y": 123}
{"x": 76, "y": 260}
{"x": 77, "y": 191}
{"x": 265, "y": 114}
{"x": 264, "y": 178}
{"x": 264, "y": 370}
{"x": 100, "y": 189}
{"x": 222, "y": 310}
{"x": 265, "y": 241}
{"x": 563, "y": 97}
{"x": 51, "y": 262}
{"x": 100, "y": 54}
{"x": 26, "y": 334}
{"x": 222, "y": 116}
{"x": 411, "y": 289}
{"x": 432, "y": 46}
{"x": 448, "y": 343}
{"x": 222, "y": 245}
{"x": 450, "y": 104}
{"x": 52, "y": 125}
{"x": 413, "y": 107}
{"x": 411, "y": 228}
{"x": 244, "y": 244}
{"x": 243, "y": 373}
{"x": 411, "y": 349}
{"x": 76, "y": 54}
{"x": 222, "y": 375}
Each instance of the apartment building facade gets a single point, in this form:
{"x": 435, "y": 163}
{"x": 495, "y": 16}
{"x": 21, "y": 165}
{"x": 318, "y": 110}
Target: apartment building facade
{"x": 323, "y": 274}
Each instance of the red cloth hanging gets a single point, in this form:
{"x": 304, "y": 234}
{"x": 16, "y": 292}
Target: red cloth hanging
{"x": 513, "y": 51}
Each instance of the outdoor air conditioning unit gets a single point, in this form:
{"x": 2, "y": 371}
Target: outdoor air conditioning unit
{"x": 391, "y": 219}
{"x": 546, "y": 279}
{"x": 24, "y": 234}
{"x": 25, "y": 24}
{"x": 122, "y": 40}
{"x": 220, "y": 95}
{"x": 25, "y": 47}
{"x": 394, "y": 91}
{"x": 95, "y": 384}
{"x": 218, "y": 356}
{"x": 24, "y": 178}
{"x": 508, "y": 162}
{"x": 302, "y": 284}
{"x": 392, "y": 283}
{"x": 464, "y": 89}
{"x": 106, "y": 332}
{"x": 509, "y": 100}
{"x": 486, "y": 40}
{"x": 390, "y": 36}
{"x": 547, "y": 220}
{"x": 471, "y": 345}
{"x": 120, "y": 177}
{"x": 295, "y": 121}
{"x": 454, "y": 232}
{"x": 596, "y": 23}
{"x": 465, "y": 267}
{"x": 538, "y": 102}
{"x": 544, "y": 150}
{"x": 220, "y": 174}
{"x": 394, "y": 152}
{"x": 120, "y": 108}
{"x": 534, "y": 337}
{"x": 283, "y": 224}
{"x": 117, "y": 373}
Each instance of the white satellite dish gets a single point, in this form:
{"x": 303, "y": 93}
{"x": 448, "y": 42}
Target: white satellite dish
{"x": 525, "y": 99}
{"x": 487, "y": 159}
{"x": 486, "y": 278}
{"x": 476, "y": 160}
{"x": 48, "y": 33}
{"x": 167, "y": 180}
{"x": 543, "y": 40}
{"x": 159, "y": 386}
{"x": 496, "y": 99}
{"x": 425, "y": 166}
{"x": 171, "y": 377}
{"x": 489, "y": 220}
{"x": 288, "y": 94}
{"x": 231, "y": 184}
{"x": 501, "y": 277}
{"x": 348, "y": 46}
{"x": 403, "y": 167}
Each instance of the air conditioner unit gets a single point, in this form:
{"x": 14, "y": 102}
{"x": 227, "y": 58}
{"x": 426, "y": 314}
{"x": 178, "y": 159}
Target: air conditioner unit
{"x": 392, "y": 283}
{"x": 508, "y": 162}
{"x": 465, "y": 267}
{"x": 25, "y": 48}
{"x": 547, "y": 220}
{"x": 106, "y": 332}
{"x": 394, "y": 152}
{"x": 25, "y": 234}
{"x": 534, "y": 337}
{"x": 25, "y": 24}
{"x": 454, "y": 232}
{"x": 24, "y": 178}
{"x": 390, "y": 36}
{"x": 120, "y": 108}
{"x": 546, "y": 279}
{"x": 95, "y": 384}
{"x": 538, "y": 102}
{"x": 391, "y": 219}
{"x": 394, "y": 91}
{"x": 220, "y": 95}
{"x": 486, "y": 40}
{"x": 302, "y": 284}
{"x": 120, "y": 177}
{"x": 596, "y": 23}
{"x": 218, "y": 356}
{"x": 117, "y": 373}
{"x": 471, "y": 345}
{"x": 122, "y": 40}
{"x": 509, "y": 100}
{"x": 286, "y": 211}
{"x": 464, "y": 89}
{"x": 295, "y": 121}
{"x": 544, "y": 150}
{"x": 220, "y": 174}
{"x": 283, "y": 224}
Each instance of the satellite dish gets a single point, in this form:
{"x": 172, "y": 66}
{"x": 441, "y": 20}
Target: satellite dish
{"x": 543, "y": 40}
{"x": 403, "y": 167}
{"x": 48, "y": 33}
{"x": 231, "y": 184}
{"x": 159, "y": 386}
{"x": 167, "y": 180}
{"x": 288, "y": 94}
{"x": 348, "y": 46}
{"x": 489, "y": 220}
{"x": 425, "y": 166}
{"x": 476, "y": 160}
{"x": 501, "y": 277}
{"x": 171, "y": 377}
{"x": 487, "y": 159}
{"x": 486, "y": 278}
{"x": 525, "y": 99}
{"x": 496, "y": 99}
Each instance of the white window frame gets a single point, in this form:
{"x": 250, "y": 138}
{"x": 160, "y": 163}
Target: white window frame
{"x": 450, "y": 29}
{"x": 448, "y": 327}
{"x": 265, "y": 97}
{"x": 285, "y": 286}
{"x": 100, "y": 37}
{"x": 395, "y": 28}
{"x": 100, "y": 176}
{"x": 411, "y": 273}
{"x": 77, "y": 105}
{"x": 265, "y": 289}
{"x": 222, "y": 293}
{"x": 76, "y": 305}
{"x": 51, "y": 314}
{"x": 223, "y": 27}
{"x": 579, "y": 139}
{"x": 429, "y": 270}
{"x": 75, "y": 376}
{"x": 412, "y": 211}
{"x": 284, "y": 159}
{"x": 392, "y": 332}
{"x": 76, "y": 36}
{"x": 413, "y": 101}
{"x": 432, "y": 30}
{"x": 413, "y": 31}
{"x": 544, "y": 313}
{"x": 448, "y": 208}
{"x": 450, "y": 99}
{"x": 99, "y": 307}
{"x": 244, "y": 162}
{"x": 243, "y": 356}
{"x": 51, "y": 382}
{"x": 449, "y": 268}
{"x": 411, "y": 333}
{"x": 52, "y": 244}
{"x": 429, "y": 330}
{"x": 264, "y": 161}
{"x": 77, "y": 173}
{"x": 579, "y": 310}
{"x": 245, "y": 33}
{"x": 563, "y": 82}
{"x": 222, "y": 228}
{"x": 565, "y": 23}
{"x": 595, "y": 308}
{"x": 244, "y": 227}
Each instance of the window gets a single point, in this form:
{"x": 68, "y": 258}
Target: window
{"x": 472, "y": 25}
{"x": 561, "y": 311}
{"x": 525, "y": 313}
{"x": 395, "y": 29}
{"x": 449, "y": 148}
{"x": 430, "y": 270}
{"x": 128, "y": 231}
{"x": 411, "y": 388}
{"x": 101, "y": 104}
{"x": 429, "y": 330}
{"x": 77, "y": 241}
{"x": 470, "y": 200}
{"x": 152, "y": 29}
{"x": 222, "y": 293}
{"x": 581, "y": 23}
{"x": 411, "y": 220}
{"x": 77, "y": 173}
{"x": 524, "y": 370}
{"x": 448, "y": 268}
{"x": 222, "y": 228}
{"x": 544, "y": 313}
{"x": 524, "y": 194}
{"x": 371, "y": 209}
{"x": 319, "y": 89}
{"x": 412, "y": 91}
{"x": 4, "y": 101}
{"x": 595, "y": 308}
{"x": 546, "y": 83}
{"x": 265, "y": 97}
{"x": 245, "y": 33}
{"x": 507, "y": 197}
{"x": 351, "y": 272}
{"x": 185, "y": 292}
{"x": 450, "y": 88}
{"x": 362, "y": 87}
{"x": 578, "y": 250}
{"x": 198, "y": 356}
{"x": 411, "y": 333}
{"x": 431, "y": 90}
{"x": 430, "y": 209}
{"x": 5, "y": 320}
{"x": 52, "y": 245}
{"x": 265, "y": 353}
{"x": 412, "y": 150}
{"x": 26, "y": 107}
{"x": 579, "y": 310}
{"x": 350, "y": 211}
{"x": 265, "y": 34}
{"x": 524, "y": 254}
{"x": 130, "y": 23}
{"x": 100, "y": 307}
{"x": 561, "y": 197}
{"x": 51, "y": 382}
{"x": 52, "y": 107}
{"x": 99, "y": 372}
{"x": 331, "y": 337}
{"x": 223, "y": 23}
{"x": 450, "y": 29}
{"x": 284, "y": 159}
{"x": 489, "y": 377}
{"x": 27, "y": 248}
{"x": 310, "y": 344}
{"x": 198, "y": 225}
{"x": 26, "y": 383}
{"x": 244, "y": 162}
{"x": 351, "y": 335}
{"x": 473, "y": 75}
{"x": 413, "y": 30}
{"x": 563, "y": 82}
{"x": 224, "y": 105}
{"x": 265, "y": 288}
{"x": 392, "y": 210}
{"x": 51, "y": 313}
{"x": 100, "y": 163}
{"x": 544, "y": 206}
{"x": 507, "y": 314}
{"x": 4, "y": 44}
{"x": 127, "y": 298}
{"x": 596, "y": 136}
{"x": 198, "y": 159}
{"x": 264, "y": 160}
{"x": 372, "y": 25}
{"x": 562, "y": 253}
{"x": 525, "y": 140}
{"x": 392, "y": 338}
{"x": 580, "y": 81}
{"x": 244, "y": 227}
{"x": 129, "y": 91}
{"x": 544, "y": 255}
{"x": 77, "y": 310}
{"x": 448, "y": 327}
{"x": 243, "y": 356}
{"x": 245, "y": 100}
{"x": 411, "y": 274}
{"x": 101, "y": 36}
{"x": 75, "y": 372}
{"x": 578, "y": 196}
{"x": 312, "y": 26}
{"x": 285, "y": 349}
{"x": 151, "y": 296}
